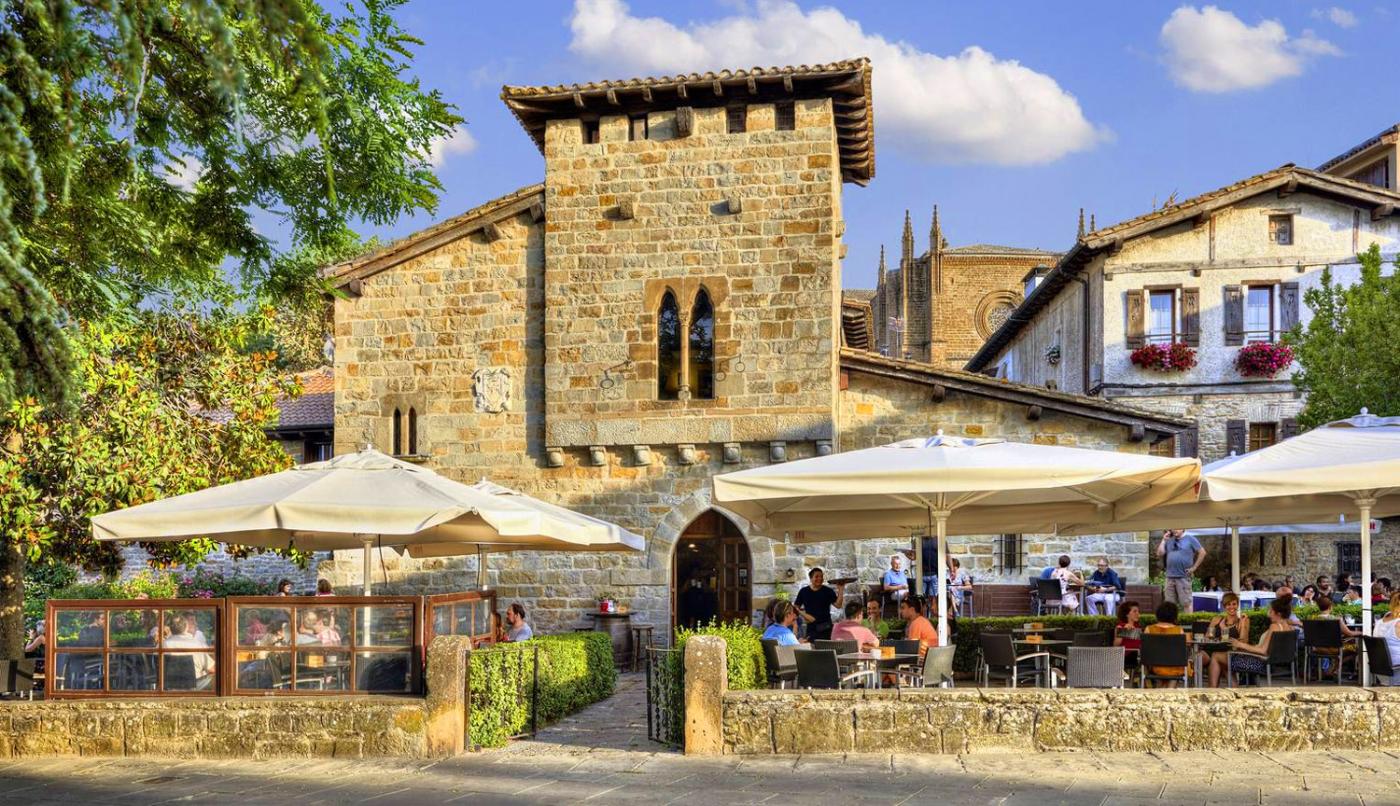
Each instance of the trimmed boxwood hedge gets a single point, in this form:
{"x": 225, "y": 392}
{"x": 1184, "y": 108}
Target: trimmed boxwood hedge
{"x": 575, "y": 670}
{"x": 966, "y": 630}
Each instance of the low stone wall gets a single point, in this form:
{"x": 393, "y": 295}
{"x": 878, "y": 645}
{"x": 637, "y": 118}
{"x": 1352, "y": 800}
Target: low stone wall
{"x": 970, "y": 720}
{"x": 252, "y": 727}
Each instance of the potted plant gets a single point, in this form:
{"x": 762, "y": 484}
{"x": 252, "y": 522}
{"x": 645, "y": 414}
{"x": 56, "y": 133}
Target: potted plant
{"x": 1263, "y": 359}
{"x": 1177, "y": 356}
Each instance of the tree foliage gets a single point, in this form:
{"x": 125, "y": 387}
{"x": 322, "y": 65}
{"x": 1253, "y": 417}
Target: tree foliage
{"x": 1349, "y": 353}
{"x": 139, "y": 138}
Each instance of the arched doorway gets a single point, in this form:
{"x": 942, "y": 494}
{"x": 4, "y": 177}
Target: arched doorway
{"x": 711, "y": 573}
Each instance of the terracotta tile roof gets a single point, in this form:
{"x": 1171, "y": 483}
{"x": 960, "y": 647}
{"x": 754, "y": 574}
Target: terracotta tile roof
{"x": 458, "y": 226}
{"x": 1392, "y": 133}
{"x": 846, "y": 82}
{"x": 994, "y": 249}
{"x": 314, "y": 410}
{"x": 1380, "y": 200}
{"x": 974, "y": 383}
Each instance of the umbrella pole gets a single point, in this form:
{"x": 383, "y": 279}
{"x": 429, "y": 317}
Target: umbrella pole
{"x": 481, "y": 567}
{"x": 368, "y": 544}
{"x": 1366, "y": 504}
{"x": 917, "y": 578}
{"x": 941, "y": 519}
{"x": 1235, "y": 557}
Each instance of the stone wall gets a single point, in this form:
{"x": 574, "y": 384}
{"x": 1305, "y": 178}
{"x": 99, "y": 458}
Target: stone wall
{"x": 269, "y": 568}
{"x": 1034, "y": 720}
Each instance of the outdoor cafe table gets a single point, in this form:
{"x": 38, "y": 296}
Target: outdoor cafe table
{"x": 1205, "y": 646}
{"x": 872, "y": 661}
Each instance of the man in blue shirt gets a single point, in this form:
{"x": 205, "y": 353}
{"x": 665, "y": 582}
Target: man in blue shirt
{"x": 1105, "y": 588}
{"x": 1181, "y": 555}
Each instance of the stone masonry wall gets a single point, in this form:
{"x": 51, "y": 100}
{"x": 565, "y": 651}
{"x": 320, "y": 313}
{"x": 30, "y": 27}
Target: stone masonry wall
{"x": 772, "y": 270}
{"x": 1033, "y": 720}
{"x": 876, "y": 411}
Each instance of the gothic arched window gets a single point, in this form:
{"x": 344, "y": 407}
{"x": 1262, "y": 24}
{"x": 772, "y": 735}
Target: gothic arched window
{"x": 413, "y": 431}
{"x": 700, "y": 372}
{"x": 668, "y": 349}
{"x": 398, "y": 433}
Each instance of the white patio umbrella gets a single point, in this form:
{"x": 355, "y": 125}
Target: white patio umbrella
{"x": 954, "y": 486}
{"x": 356, "y": 500}
{"x": 1357, "y": 458}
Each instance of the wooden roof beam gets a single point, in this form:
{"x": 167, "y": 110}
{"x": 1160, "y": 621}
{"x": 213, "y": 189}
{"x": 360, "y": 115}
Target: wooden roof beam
{"x": 1381, "y": 211}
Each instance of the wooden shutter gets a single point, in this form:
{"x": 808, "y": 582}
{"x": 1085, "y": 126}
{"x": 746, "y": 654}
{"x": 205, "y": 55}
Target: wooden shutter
{"x": 1187, "y": 442}
{"x": 1136, "y": 319}
{"x": 1236, "y": 437}
{"x": 1191, "y": 316}
{"x": 1288, "y": 427}
{"x": 1234, "y": 316}
{"x": 1287, "y": 306}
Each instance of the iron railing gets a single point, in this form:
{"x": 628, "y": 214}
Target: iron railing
{"x": 502, "y": 694}
{"x": 665, "y": 696}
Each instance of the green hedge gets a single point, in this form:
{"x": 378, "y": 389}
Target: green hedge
{"x": 743, "y": 662}
{"x": 575, "y": 670}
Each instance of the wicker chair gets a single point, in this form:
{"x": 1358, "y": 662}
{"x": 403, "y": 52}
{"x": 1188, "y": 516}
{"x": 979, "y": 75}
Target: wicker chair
{"x": 1095, "y": 667}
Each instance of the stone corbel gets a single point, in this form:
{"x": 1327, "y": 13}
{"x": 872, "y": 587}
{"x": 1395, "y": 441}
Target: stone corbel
{"x": 597, "y": 455}
{"x": 823, "y": 447}
{"x": 625, "y": 211}
{"x": 735, "y": 204}
{"x": 732, "y": 454}
{"x": 685, "y": 454}
{"x": 554, "y": 457}
{"x": 641, "y": 455}
{"x": 777, "y": 451}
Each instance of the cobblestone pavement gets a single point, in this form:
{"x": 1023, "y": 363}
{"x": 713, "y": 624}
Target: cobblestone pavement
{"x": 602, "y": 756}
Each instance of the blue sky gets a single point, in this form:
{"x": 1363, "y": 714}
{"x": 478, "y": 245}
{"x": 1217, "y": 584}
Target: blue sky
{"x": 1009, "y": 116}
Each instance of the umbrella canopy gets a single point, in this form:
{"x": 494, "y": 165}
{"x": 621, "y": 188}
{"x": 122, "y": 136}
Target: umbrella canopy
{"x": 954, "y": 486}
{"x": 358, "y": 499}
{"x": 1340, "y": 526}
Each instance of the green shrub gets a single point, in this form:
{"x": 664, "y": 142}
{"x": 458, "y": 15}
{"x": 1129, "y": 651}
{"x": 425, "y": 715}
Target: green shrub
{"x": 743, "y": 652}
{"x": 575, "y": 670}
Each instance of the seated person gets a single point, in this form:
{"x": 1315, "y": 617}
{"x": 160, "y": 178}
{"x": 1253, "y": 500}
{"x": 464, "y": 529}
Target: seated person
{"x": 959, "y": 583}
{"x": 894, "y": 582}
{"x": 784, "y": 619}
{"x": 276, "y": 634}
{"x": 916, "y": 627}
{"x": 850, "y": 629}
{"x": 329, "y": 633}
{"x": 519, "y": 629}
{"x": 1254, "y": 661}
{"x": 309, "y": 633}
{"x": 1128, "y": 633}
{"x": 1167, "y": 614}
{"x": 1388, "y": 627}
{"x": 1104, "y": 589}
{"x": 873, "y": 615}
{"x": 1070, "y": 584}
{"x": 181, "y": 638}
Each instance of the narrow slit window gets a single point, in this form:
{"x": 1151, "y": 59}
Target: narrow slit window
{"x": 413, "y": 431}
{"x": 668, "y": 349}
{"x": 637, "y": 127}
{"x": 398, "y": 432}
{"x": 785, "y": 117}
{"x": 590, "y": 132}
{"x": 701, "y": 371}
{"x": 737, "y": 119}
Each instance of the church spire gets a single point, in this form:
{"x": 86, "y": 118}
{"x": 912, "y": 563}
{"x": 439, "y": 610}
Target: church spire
{"x": 935, "y": 233}
{"x": 1092, "y": 225}
{"x": 1080, "y": 237}
{"x": 881, "y": 280}
{"x": 908, "y": 241}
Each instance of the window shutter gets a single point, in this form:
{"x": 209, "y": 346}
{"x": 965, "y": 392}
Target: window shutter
{"x": 1187, "y": 442}
{"x": 1191, "y": 316}
{"x": 1234, "y": 316}
{"x": 1288, "y": 427}
{"x": 1136, "y": 319}
{"x": 1287, "y": 306}
{"x": 1236, "y": 437}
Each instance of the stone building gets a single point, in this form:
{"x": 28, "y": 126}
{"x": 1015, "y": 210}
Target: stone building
{"x": 1215, "y": 273}
{"x": 940, "y": 306}
{"x": 665, "y": 306}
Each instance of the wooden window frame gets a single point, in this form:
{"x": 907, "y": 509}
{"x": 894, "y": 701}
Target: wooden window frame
{"x": 785, "y": 116}
{"x": 638, "y": 124}
{"x": 1148, "y": 337}
{"x": 52, "y": 651}
{"x": 736, "y": 119}
{"x": 1250, "y": 440}
{"x": 591, "y": 132}
{"x": 1251, "y": 336}
{"x": 1273, "y": 229}
{"x": 455, "y": 600}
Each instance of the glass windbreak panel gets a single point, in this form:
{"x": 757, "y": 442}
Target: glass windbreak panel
{"x": 265, "y": 626}
{"x": 385, "y": 625}
{"x": 442, "y": 620}
{"x": 264, "y": 670}
{"x": 322, "y": 626}
{"x": 77, "y": 671}
{"x": 462, "y": 622}
{"x": 132, "y": 671}
{"x": 322, "y": 670}
{"x": 134, "y": 628}
{"x": 383, "y": 671}
{"x": 190, "y": 629}
{"x": 189, "y": 671}
{"x": 82, "y": 628}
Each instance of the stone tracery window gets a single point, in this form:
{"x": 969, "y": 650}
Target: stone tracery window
{"x": 700, "y": 364}
{"x": 668, "y": 349}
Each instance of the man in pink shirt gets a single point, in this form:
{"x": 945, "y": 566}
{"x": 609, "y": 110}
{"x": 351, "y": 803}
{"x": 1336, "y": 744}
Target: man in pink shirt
{"x": 852, "y": 630}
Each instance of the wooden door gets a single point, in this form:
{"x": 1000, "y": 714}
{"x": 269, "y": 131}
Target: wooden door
{"x": 735, "y": 590}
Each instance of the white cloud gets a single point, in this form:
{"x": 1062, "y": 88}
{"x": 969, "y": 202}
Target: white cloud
{"x": 1336, "y": 15}
{"x": 459, "y": 141}
{"x": 184, "y": 172}
{"x": 1210, "y": 50}
{"x": 970, "y": 107}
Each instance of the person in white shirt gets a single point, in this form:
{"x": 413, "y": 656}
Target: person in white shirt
{"x": 1388, "y": 627}
{"x": 1070, "y": 584}
{"x": 181, "y": 638}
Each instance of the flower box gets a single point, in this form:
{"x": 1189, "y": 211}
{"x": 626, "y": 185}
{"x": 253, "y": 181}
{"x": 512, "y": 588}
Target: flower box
{"x": 1263, "y": 359}
{"x": 1175, "y": 357}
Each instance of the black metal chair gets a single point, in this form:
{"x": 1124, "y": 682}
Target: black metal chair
{"x": 902, "y": 646}
{"x": 1048, "y": 594}
{"x": 817, "y": 668}
{"x": 936, "y": 670}
{"x": 1000, "y": 661}
{"x": 841, "y": 647}
{"x": 1323, "y": 640}
{"x": 781, "y": 670}
{"x": 1095, "y": 667}
{"x": 1200, "y": 628}
{"x": 179, "y": 673}
{"x": 1164, "y": 650}
{"x": 1378, "y": 661}
{"x": 1095, "y": 638}
{"x": 1283, "y": 651}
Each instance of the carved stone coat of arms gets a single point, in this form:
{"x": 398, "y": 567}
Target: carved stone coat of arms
{"x": 491, "y": 388}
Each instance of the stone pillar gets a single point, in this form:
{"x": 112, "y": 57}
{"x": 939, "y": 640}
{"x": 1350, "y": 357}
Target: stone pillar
{"x": 706, "y": 680}
{"x": 446, "y": 706}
